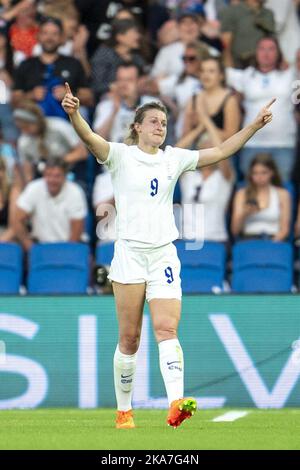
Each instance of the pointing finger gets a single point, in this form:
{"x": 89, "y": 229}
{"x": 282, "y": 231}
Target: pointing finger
{"x": 68, "y": 89}
{"x": 270, "y": 103}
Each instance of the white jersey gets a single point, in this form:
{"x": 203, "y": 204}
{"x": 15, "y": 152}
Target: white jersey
{"x": 258, "y": 88}
{"x": 214, "y": 194}
{"x": 143, "y": 188}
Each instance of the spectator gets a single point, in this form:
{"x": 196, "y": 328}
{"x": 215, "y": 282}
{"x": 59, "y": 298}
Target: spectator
{"x": 169, "y": 59}
{"x": 167, "y": 34}
{"x": 6, "y": 72}
{"x": 75, "y": 36}
{"x": 287, "y": 27}
{"x": 92, "y": 13}
{"x": 257, "y": 84}
{"x": 116, "y": 110}
{"x": 8, "y": 154}
{"x": 146, "y": 48}
{"x": 55, "y": 8}
{"x": 219, "y": 101}
{"x": 187, "y": 85}
{"x": 11, "y": 8}
{"x": 296, "y": 101}
{"x": 55, "y": 207}
{"x": 242, "y": 26}
{"x": 262, "y": 209}
{"x": 6, "y": 233}
{"x": 43, "y": 138}
{"x": 210, "y": 186}
{"x": 157, "y": 17}
{"x": 23, "y": 33}
{"x": 42, "y": 78}
{"x": 6, "y": 58}
{"x": 112, "y": 9}
{"x": 123, "y": 47}
{"x": 209, "y": 31}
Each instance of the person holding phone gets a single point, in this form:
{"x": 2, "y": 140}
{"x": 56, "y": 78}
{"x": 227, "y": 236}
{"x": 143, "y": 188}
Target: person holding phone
{"x": 262, "y": 208}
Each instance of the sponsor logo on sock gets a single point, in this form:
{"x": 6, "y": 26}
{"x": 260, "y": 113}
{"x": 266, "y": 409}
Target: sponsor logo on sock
{"x": 125, "y": 379}
{"x": 171, "y": 367}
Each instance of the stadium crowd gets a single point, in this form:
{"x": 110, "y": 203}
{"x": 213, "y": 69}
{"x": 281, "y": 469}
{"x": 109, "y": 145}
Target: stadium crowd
{"x": 213, "y": 63}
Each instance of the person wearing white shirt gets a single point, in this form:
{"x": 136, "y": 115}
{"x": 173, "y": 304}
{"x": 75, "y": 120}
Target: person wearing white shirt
{"x": 206, "y": 192}
{"x": 169, "y": 58}
{"x": 44, "y": 137}
{"x": 262, "y": 209}
{"x": 182, "y": 88}
{"x": 55, "y": 207}
{"x": 287, "y": 27}
{"x": 116, "y": 110}
{"x": 145, "y": 262}
{"x": 256, "y": 84}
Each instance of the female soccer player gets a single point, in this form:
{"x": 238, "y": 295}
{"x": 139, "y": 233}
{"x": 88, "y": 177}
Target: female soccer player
{"x": 145, "y": 262}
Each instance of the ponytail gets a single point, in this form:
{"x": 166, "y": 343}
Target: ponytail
{"x": 132, "y": 138}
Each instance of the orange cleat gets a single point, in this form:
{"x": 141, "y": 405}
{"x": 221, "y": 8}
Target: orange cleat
{"x": 124, "y": 420}
{"x": 180, "y": 410}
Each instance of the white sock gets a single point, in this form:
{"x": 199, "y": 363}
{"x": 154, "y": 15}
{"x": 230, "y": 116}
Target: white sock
{"x": 124, "y": 371}
{"x": 171, "y": 366}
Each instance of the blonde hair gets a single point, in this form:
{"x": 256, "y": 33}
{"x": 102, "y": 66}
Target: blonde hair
{"x": 133, "y": 138}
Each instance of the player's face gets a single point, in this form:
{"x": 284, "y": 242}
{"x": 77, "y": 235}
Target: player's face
{"x": 50, "y": 37}
{"x": 152, "y": 131}
{"x": 55, "y": 178}
{"x": 261, "y": 175}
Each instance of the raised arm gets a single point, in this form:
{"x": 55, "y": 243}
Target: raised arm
{"x": 236, "y": 142}
{"x": 96, "y": 144}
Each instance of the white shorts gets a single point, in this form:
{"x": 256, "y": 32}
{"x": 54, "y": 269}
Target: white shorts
{"x": 158, "y": 267}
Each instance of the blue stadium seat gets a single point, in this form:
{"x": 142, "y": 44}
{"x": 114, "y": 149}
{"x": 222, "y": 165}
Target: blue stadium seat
{"x": 105, "y": 253}
{"x": 11, "y": 268}
{"x": 202, "y": 270}
{"x": 58, "y": 268}
{"x": 262, "y": 266}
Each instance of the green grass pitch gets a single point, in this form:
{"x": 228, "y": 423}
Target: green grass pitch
{"x": 94, "y": 429}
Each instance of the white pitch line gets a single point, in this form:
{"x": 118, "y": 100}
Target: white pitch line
{"x": 230, "y": 416}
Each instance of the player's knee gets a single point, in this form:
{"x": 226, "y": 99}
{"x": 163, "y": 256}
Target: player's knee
{"x": 164, "y": 332}
{"x": 129, "y": 343}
